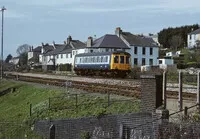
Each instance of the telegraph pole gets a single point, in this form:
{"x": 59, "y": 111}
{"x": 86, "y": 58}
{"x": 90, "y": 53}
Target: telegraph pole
{"x": 2, "y": 11}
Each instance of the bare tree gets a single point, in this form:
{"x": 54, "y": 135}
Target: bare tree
{"x": 23, "y": 49}
{"x": 176, "y": 42}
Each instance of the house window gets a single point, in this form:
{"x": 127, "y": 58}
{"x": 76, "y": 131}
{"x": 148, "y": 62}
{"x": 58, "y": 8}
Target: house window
{"x": 61, "y": 55}
{"x": 143, "y": 50}
{"x": 135, "y": 50}
{"x": 190, "y": 37}
{"x": 135, "y": 61}
{"x": 70, "y": 55}
{"x": 66, "y": 55}
{"x": 150, "y": 61}
{"x": 143, "y": 61}
{"x": 151, "y": 51}
{"x": 121, "y": 59}
{"x": 160, "y": 61}
{"x": 57, "y": 56}
{"x": 73, "y": 52}
{"x": 107, "y": 49}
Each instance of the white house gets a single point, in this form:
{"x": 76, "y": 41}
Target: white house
{"x": 143, "y": 50}
{"x": 14, "y": 60}
{"x": 64, "y": 53}
{"x": 193, "y": 39}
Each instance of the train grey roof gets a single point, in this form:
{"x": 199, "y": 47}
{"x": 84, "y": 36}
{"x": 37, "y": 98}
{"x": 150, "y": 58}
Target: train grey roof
{"x": 138, "y": 40}
{"x": 101, "y": 53}
{"x": 109, "y": 41}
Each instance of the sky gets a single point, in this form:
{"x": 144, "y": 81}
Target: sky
{"x": 35, "y": 21}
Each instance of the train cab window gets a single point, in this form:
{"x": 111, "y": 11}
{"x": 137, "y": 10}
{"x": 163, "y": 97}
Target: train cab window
{"x": 121, "y": 59}
{"x": 116, "y": 59}
{"x": 127, "y": 59}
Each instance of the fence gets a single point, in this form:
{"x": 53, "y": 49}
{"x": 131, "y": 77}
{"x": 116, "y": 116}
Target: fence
{"x": 186, "y": 84}
{"x": 86, "y": 101}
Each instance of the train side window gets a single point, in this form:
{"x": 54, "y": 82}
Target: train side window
{"x": 80, "y": 59}
{"x": 106, "y": 59}
{"x": 116, "y": 59}
{"x": 121, "y": 59}
{"x": 97, "y": 59}
{"x": 102, "y": 59}
{"x": 127, "y": 59}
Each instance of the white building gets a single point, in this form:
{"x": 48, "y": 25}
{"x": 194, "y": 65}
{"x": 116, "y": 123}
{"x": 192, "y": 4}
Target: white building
{"x": 63, "y": 54}
{"x": 143, "y": 50}
{"x": 167, "y": 63}
{"x": 193, "y": 39}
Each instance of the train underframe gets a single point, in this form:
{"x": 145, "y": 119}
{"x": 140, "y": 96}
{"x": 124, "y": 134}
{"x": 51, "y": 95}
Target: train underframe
{"x": 105, "y": 73}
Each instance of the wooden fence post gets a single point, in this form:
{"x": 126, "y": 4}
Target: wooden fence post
{"x": 76, "y": 102}
{"x": 164, "y": 89}
{"x": 49, "y": 103}
{"x": 198, "y": 91}
{"x": 186, "y": 111}
{"x": 108, "y": 99}
{"x": 30, "y": 110}
{"x": 180, "y": 99}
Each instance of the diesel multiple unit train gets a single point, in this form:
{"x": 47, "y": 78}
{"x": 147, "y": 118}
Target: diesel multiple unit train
{"x": 114, "y": 64}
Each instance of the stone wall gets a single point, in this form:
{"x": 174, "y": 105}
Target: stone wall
{"x": 135, "y": 125}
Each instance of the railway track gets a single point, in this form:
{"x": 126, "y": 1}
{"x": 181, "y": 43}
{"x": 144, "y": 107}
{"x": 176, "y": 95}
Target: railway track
{"x": 130, "y": 91}
{"x": 87, "y": 86}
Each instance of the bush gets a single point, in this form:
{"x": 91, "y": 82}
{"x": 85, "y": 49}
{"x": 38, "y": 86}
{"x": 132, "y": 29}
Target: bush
{"x": 192, "y": 64}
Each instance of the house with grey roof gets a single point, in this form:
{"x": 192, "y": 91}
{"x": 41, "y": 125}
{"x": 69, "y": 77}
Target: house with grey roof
{"x": 33, "y": 56}
{"x": 144, "y": 50}
{"x": 193, "y": 39}
{"x": 106, "y": 43}
{"x": 63, "y": 54}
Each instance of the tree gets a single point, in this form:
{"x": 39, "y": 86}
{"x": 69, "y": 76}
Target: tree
{"x": 176, "y": 42}
{"x": 165, "y": 35}
{"x": 23, "y": 49}
{"x": 8, "y": 58}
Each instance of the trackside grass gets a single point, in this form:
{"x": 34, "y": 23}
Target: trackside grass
{"x": 51, "y": 103}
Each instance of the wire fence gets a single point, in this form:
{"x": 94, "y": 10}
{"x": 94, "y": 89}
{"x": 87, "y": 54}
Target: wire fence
{"x": 87, "y": 101}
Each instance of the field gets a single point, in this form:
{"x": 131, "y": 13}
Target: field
{"x": 27, "y": 103}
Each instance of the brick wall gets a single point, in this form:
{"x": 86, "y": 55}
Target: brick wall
{"x": 151, "y": 92}
{"x": 133, "y": 125}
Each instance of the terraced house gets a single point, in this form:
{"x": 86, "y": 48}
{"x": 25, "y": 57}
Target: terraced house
{"x": 62, "y": 54}
{"x": 144, "y": 50}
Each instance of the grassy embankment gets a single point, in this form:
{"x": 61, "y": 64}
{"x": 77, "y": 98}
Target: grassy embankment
{"x": 15, "y": 107}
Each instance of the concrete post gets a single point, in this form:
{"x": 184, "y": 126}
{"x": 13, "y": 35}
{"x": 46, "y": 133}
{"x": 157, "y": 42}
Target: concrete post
{"x": 180, "y": 95}
{"x": 198, "y": 90}
{"x": 164, "y": 89}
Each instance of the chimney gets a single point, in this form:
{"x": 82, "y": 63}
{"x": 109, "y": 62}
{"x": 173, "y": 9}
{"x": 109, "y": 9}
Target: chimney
{"x": 54, "y": 43}
{"x": 65, "y": 42}
{"x": 69, "y": 39}
{"x": 32, "y": 48}
{"x": 89, "y": 41}
{"x": 42, "y": 44}
{"x": 118, "y": 31}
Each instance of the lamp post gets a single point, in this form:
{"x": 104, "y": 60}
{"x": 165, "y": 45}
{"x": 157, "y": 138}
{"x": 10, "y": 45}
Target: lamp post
{"x": 2, "y": 11}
